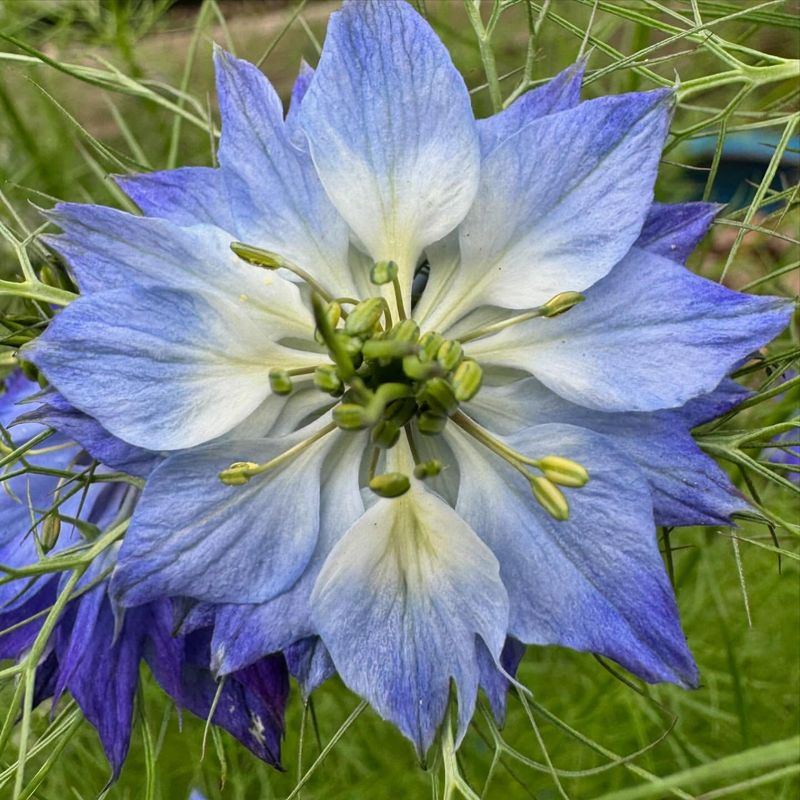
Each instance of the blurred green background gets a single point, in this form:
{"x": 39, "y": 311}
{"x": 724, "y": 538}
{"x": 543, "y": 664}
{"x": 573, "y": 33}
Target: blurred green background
{"x": 90, "y": 88}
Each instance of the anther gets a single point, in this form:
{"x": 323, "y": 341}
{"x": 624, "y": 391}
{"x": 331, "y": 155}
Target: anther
{"x": 385, "y": 434}
{"x": 439, "y": 395}
{"x": 383, "y": 272}
{"x": 562, "y": 302}
{"x": 327, "y": 379}
{"x": 280, "y": 382}
{"x": 467, "y": 380}
{"x": 430, "y": 343}
{"x": 450, "y": 354}
{"x": 238, "y": 473}
{"x": 430, "y": 423}
{"x": 563, "y": 471}
{"x": 364, "y": 317}
{"x": 550, "y": 498}
{"x": 428, "y": 469}
{"x": 418, "y": 370}
{"x": 387, "y": 348}
{"x": 390, "y": 484}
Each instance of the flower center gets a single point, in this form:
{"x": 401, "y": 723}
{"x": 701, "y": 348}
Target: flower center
{"x": 390, "y": 378}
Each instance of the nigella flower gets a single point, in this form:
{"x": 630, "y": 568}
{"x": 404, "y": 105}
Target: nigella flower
{"x": 404, "y": 484}
{"x": 95, "y": 650}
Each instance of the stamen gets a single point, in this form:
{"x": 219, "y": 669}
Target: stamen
{"x": 428, "y": 469}
{"x": 390, "y": 484}
{"x": 280, "y": 380}
{"x": 240, "y": 472}
{"x": 384, "y": 272}
{"x": 552, "y": 308}
{"x": 268, "y": 260}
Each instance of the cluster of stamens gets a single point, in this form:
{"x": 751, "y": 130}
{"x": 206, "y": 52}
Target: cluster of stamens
{"x": 390, "y": 378}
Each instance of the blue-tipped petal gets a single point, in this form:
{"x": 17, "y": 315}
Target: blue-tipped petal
{"x": 259, "y": 536}
{"x": 400, "y": 603}
{"x": 391, "y": 130}
{"x": 651, "y": 335}
{"x": 673, "y": 231}
{"x": 559, "y": 94}
{"x": 301, "y": 84}
{"x": 245, "y": 633}
{"x": 494, "y": 681}
{"x": 688, "y": 487}
{"x": 57, "y": 413}
{"x": 276, "y": 198}
{"x": 595, "y": 582}
{"x": 540, "y": 224}
{"x": 185, "y": 196}
{"x": 165, "y": 369}
{"x": 309, "y": 663}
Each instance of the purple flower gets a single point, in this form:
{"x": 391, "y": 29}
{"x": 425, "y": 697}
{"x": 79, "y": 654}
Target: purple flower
{"x": 554, "y": 365}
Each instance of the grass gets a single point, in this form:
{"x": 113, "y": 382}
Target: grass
{"x": 88, "y": 89}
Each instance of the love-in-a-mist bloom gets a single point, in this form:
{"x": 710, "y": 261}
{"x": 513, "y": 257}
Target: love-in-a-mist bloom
{"x": 404, "y": 484}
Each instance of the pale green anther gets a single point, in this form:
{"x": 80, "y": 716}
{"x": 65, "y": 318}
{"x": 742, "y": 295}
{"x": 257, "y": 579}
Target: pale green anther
{"x": 550, "y": 498}
{"x": 237, "y": 473}
{"x": 364, "y": 317}
{"x": 383, "y": 272}
{"x": 352, "y": 417}
{"x": 51, "y": 528}
{"x": 387, "y": 348}
{"x": 405, "y": 331}
{"x": 562, "y": 302}
{"x": 428, "y": 469}
{"x": 430, "y": 343}
{"x": 401, "y": 411}
{"x": 327, "y": 379}
{"x": 467, "y": 380}
{"x": 430, "y": 423}
{"x": 385, "y": 434}
{"x": 563, "y": 471}
{"x": 257, "y": 256}
{"x": 418, "y": 370}
{"x": 450, "y": 354}
{"x": 280, "y": 382}
{"x": 390, "y": 484}
{"x": 439, "y": 395}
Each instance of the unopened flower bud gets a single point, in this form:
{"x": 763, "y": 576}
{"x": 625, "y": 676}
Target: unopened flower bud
{"x": 51, "y": 528}
{"x": 467, "y": 380}
{"x": 428, "y": 469}
{"x": 390, "y": 484}
{"x": 450, "y": 354}
{"x": 562, "y": 302}
{"x": 280, "y": 382}
{"x": 385, "y": 434}
{"x": 430, "y": 423}
{"x": 236, "y": 473}
{"x": 430, "y": 343}
{"x": 351, "y": 417}
{"x": 383, "y": 272}
{"x": 563, "y": 471}
{"x": 550, "y": 498}
{"x": 364, "y": 317}
{"x": 438, "y": 394}
{"x": 327, "y": 379}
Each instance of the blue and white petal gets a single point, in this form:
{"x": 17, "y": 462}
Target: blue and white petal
{"x": 594, "y": 582}
{"x": 259, "y": 537}
{"x": 399, "y": 604}
{"x": 651, "y": 335}
{"x": 277, "y": 200}
{"x": 166, "y": 369}
{"x": 391, "y": 131}
{"x": 540, "y": 224}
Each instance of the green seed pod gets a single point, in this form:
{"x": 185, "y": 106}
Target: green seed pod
{"x": 327, "y": 379}
{"x": 430, "y": 343}
{"x": 351, "y": 417}
{"x": 383, "y": 272}
{"x": 280, "y": 382}
{"x": 390, "y": 484}
{"x": 428, "y": 469}
{"x": 364, "y": 317}
{"x": 235, "y": 475}
{"x": 467, "y": 380}
{"x": 439, "y": 395}
{"x": 563, "y": 471}
{"x": 550, "y": 498}
{"x": 430, "y": 423}
{"x": 51, "y": 528}
{"x": 385, "y": 434}
{"x": 450, "y": 354}
{"x": 562, "y": 302}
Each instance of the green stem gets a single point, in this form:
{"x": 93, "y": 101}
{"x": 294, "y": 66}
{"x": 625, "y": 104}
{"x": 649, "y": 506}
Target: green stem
{"x": 37, "y": 291}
